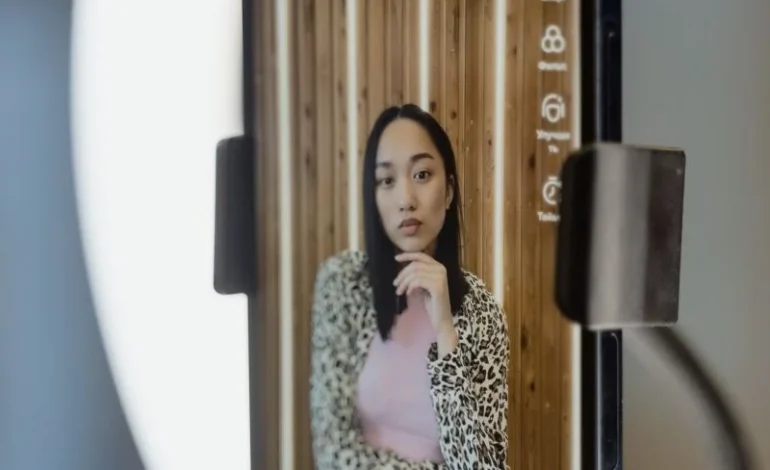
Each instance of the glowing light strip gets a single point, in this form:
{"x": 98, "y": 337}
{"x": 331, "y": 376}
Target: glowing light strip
{"x": 575, "y": 402}
{"x": 351, "y": 20}
{"x": 424, "y": 35}
{"x": 498, "y": 148}
{"x": 283, "y": 79}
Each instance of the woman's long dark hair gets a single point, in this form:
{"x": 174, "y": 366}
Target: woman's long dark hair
{"x": 381, "y": 266}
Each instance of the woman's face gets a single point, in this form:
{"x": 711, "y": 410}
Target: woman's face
{"x": 412, "y": 193}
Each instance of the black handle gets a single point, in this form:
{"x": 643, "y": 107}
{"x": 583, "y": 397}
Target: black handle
{"x": 234, "y": 238}
{"x": 601, "y": 121}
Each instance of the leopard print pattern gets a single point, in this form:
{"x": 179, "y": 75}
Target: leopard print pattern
{"x": 469, "y": 386}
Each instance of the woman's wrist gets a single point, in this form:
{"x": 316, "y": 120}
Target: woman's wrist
{"x": 446, "y": 340}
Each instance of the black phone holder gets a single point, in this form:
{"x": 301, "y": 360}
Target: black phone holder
{"x": 618, "y": 268}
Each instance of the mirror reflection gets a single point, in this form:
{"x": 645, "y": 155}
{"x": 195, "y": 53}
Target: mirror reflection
{"x": 413, "y": 180}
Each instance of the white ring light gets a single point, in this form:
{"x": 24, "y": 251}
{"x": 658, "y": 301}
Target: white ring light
{"x": 155, "y": 85}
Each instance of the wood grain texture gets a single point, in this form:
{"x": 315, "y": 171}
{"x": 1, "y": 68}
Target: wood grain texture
{"x": 265, "y": 330}
{"x": 530, "y": 296}
{"x": 461, "y": 66}
{"x": 513, "y": 215}
{"x": 339, "y": 122}
{"x": 324, "y": 137}
{"x": 364, "y": 106}
{"x": 305, "y": 163}
{"x": 411, "y": 50}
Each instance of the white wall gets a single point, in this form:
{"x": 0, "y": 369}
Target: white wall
{"x": 697, "y": 75}
{"x": 156, "y": 83}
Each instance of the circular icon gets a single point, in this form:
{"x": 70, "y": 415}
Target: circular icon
{"x": 553, "y": 41}
{"x": 551, "y": 191}
{"x": 553, "y": 108}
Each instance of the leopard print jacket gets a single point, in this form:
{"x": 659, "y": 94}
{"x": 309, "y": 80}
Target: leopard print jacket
{"x": 469, "y": 386}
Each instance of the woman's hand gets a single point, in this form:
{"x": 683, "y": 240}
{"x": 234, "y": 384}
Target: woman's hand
{"x": 427, "y": 276}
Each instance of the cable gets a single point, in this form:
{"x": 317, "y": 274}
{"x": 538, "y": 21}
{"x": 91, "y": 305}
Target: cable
{"x": 674, "y": 355}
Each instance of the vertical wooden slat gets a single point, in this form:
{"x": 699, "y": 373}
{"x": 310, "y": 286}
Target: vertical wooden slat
{"x": 364, "y": 104}
{"x": 530, "y": 275}
{"x": 550, "y": 388}
{"x": 437, "y": 52}
{"x": 324, "y": 121}
{"x": 569, "y": 20}
{"x": 473, "y": 152}
{"x": 304, "y": 216}
{"x": 512, "y": 242}
{"x": 549, "y": 157}
{"x": 486, "y": 189}
{"x": 377, "y": 58}
{"x": 453, "y": 49}
{"x": 408, "y": 52}
{"x": 395, "y": 60}
{"x": 340, "y": 124}
{"x": 555, "y": 337}
{"x": 461, "y": 32}
{"x": 410, "y": 13}
{"x": 265, "y": 328}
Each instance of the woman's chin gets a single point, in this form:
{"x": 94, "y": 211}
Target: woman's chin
{"x": 414, "y": 246}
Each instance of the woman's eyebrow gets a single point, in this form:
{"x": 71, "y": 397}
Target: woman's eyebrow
{"x": 421, "y": 156}
{"x": 413, "y": 159}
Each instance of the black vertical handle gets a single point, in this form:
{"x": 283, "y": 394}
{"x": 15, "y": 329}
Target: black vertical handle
{"x": 234, "y": 238}
{"x": 601, "y": 121}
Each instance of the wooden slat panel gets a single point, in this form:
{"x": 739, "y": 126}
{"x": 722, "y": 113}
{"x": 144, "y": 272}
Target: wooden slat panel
{"x": 306, "y": 184}
{"x": 453, "y": 80}
{"x": 486, "y": 242}
{"x": 437, "y": 51}
{"x": 365, "y": 109}
{"x": 555, "y": 341}
{"x": 569, "y": 20}
{"x": 550, "y": 378}
{"x": 339, "y": 122}
{"x": 395, "y": 60}
{"x": 377, "y": 50}
{"x": 473, "y": 128}
{"x": 512, "y": 241}
{"x": 324, "y": 96}
{"x": 530, "y": 255}
{"x": 265, "y": 328}
{"x": 411, "y": 50}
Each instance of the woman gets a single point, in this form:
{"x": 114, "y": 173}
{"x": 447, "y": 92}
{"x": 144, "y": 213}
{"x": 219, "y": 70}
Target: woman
{"x": 409, "y": 352}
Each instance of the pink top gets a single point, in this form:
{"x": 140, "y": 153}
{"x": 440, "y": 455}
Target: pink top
{"x": 394, "y": 402}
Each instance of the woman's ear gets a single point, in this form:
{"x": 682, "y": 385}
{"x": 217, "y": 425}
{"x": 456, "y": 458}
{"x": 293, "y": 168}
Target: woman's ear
{"x": 450, "y": 191}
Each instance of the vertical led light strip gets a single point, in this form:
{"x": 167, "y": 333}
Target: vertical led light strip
{"x": 354, "y": 206}
{"x": 424, "y": 35}
{"x": 498, "y": 148}
{"x": 283, "y": 79}
{"x": 575, "y": 403}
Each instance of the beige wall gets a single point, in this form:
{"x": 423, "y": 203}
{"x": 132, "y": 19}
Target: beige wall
{"x": 696, "y": 75}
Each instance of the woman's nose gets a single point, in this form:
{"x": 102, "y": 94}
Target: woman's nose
{"x": 406, "y": 197}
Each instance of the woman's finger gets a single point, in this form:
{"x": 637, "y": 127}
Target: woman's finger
{"x": 404, "y": 272}
{"x": 415, "y": 256}
{"x": 424, "y": 278}
{"x": 411, "y": 267}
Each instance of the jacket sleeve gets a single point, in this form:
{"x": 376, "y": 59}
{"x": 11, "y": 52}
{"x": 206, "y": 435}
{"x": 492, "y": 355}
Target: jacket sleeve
{"x": 469, "y": 387}
{"x": 337, "y": 442}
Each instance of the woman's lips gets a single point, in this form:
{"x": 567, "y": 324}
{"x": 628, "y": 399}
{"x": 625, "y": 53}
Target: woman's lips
{"x": 410, "y": 227}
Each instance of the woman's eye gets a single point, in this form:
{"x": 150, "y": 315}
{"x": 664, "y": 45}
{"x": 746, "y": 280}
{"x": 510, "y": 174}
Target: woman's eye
{"x": 385, "y": 181}
{"x": 422, "y": 175}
